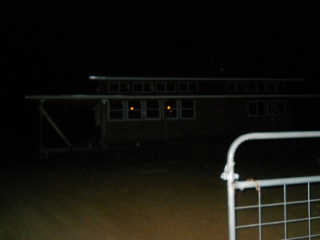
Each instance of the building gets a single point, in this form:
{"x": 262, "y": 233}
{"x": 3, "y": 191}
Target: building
{"x": 154, "y": 109}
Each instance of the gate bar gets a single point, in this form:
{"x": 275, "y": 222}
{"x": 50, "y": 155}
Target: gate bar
{"x": 275, "y": 182}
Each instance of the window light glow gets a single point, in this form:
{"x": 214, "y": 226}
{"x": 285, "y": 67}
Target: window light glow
{"x": 168, "y": 107}
{"x": 131, "y": 108}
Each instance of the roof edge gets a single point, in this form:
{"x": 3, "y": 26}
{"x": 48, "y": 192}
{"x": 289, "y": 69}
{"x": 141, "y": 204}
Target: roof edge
{"x": 110, "y": 78}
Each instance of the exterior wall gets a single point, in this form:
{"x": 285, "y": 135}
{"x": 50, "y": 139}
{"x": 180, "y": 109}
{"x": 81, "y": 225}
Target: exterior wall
{"x": 213, "y": 117}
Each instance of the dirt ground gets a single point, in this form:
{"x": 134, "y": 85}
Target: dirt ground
{"x": 93, "y": 198}
{"x": 150, "y": 201}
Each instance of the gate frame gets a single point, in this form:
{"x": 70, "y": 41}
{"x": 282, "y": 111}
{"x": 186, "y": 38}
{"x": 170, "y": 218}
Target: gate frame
{"x": 230, "y": 176}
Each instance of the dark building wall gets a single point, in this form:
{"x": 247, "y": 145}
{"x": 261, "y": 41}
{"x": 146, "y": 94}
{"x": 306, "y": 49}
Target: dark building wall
{"x": 213, "y": 117}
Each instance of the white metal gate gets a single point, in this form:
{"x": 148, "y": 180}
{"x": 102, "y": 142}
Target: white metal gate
{"x": 285, "y": 217}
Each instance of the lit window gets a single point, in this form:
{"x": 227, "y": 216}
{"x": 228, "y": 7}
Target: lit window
{"x": 134, "y": 110}
{"x": 171, "y": 109}
{"x": 187, "y": 109}
{"x": 116, "y": 110}
{"x": 152, "y": 109}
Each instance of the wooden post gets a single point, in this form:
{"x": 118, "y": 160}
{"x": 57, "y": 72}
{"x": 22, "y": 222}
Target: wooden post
{"x": 103, "y": 123}
{"x": 41, "y": 143}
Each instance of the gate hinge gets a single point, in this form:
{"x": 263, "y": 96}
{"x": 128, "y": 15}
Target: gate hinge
{"x": 225, "y": 176}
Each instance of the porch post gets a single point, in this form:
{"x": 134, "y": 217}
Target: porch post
{"x": 103, "y": 122}
{"x": 41, "y": 143}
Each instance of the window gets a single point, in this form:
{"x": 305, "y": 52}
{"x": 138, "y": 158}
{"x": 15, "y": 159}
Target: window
{"x": 187, "y": 109}
{"x": 252, "y": 87}
{"x": 281, "y": 87}
{"x": 193, "y": 87}
{"x": 152, "y": 109}
{"x": 271, "y": 87}
{"x": 165, "y": 87}
{"x": 171, "y": 87}
{"x": 236, "y": 87}
{"x": 257, "y": 108}
{"x": 277, "y": 108}
{"x": 231, "y": 87}
{"x": 183, "y": 87}
{"x": 142, "y": 87}
{"x": 137, "y": 87}
{"x": 116, "y": 110}
{"x": 241, "y": 87}
{"x": 266, "y": 108}
{"x": 188, "y": 87}
{"x": 116, "y": 87}
{"x": 134, "y": 110}
{"x": 171, "y": 109}
{"x": 261, "y": 87}
{"x": 161, "y": 87}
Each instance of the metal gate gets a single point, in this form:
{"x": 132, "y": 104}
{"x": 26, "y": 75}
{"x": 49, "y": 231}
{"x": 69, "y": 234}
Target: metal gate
{"x": 285, "y": 217}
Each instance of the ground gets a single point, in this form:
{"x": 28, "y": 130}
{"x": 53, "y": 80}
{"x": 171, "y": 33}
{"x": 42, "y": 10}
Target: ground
{"x": 118, "y": 197}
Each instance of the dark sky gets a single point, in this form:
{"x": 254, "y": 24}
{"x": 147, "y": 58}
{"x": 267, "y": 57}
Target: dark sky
{"x": 52, "y": 46}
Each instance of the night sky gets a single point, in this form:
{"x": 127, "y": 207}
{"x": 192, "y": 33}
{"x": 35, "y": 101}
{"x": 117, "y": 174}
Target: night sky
{"x": 52, "y": 47}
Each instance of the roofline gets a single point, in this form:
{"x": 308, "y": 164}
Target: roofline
{"x": 146, "y": 97}
{"x": 106, "y": 78}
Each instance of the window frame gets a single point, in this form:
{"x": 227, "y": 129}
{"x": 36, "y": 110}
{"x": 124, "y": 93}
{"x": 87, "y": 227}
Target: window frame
{"x": 256, "y": 103}
{"x": 109, "y": 112}
{"x": 146, "y": 109}
{"x": 181, "y": 109}
{"x": 143, "y": 87}
{"x": 165, "y": 110}
{"x": 275, "y": 105}
{"x": 128, "y": 110}
{"x": 119, "y": 87}
{"x": 188, "y": 88}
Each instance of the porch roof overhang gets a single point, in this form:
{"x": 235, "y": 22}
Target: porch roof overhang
{"x": 93, "y": 98}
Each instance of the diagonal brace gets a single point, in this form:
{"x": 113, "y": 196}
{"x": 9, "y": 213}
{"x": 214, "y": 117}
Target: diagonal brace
{"x": 55, "y": 126}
